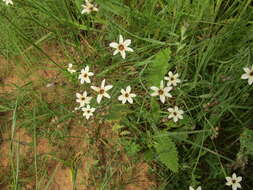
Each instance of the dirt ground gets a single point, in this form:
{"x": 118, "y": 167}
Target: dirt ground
{"x": 77, "y": 163}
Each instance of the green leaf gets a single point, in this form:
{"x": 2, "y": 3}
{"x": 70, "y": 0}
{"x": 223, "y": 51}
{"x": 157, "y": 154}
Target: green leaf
{"x": 158, "y": 68}
{"x": 167, "y": 151}
{"x": 155, "y": 111}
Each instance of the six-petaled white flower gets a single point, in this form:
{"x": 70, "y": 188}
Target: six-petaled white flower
{"x": 88, "y": 7}
{"x": 121, "y": 47}
{"x": 85, "y": 75}
{"x": 7, "y": 2}
{"x": 102, "y": 91}
{"x": 172, "y": 79}
{"x": 70, "y": 68}
{"x": 175, "y": 113}
{"x": 88, "y": 111}
{"x": 234, "y": 181}
{"x": 83, "y": 99}
{"x": 191, "y": 188}
{"x": 163, "y": 92}
{"x": 248, "y": 74}
{"x": 126, "y": 95}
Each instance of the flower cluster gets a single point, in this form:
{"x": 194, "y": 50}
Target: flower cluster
{"x": 164, "y": 92}
{"x": 126, "y": 95}
{"x": 102, "y": 91}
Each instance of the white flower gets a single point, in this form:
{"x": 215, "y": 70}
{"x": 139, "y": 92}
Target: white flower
{"x": 83, "y": 98}
{"x": 102, "y": 91}
{"x": 162, "y": 92}
{"x": 121, "y": 47}
{"x": 172, "y": 79}
{"x": 70, "y": 68}
{"x": 191, "y": 188}
{"x": 248, "y": 74}
{"x": 88, "y": 7}
{"x": 234, "y": 181}
{"x": 85, "y": 75}
{"x": 126, "y": 95}
{"x": 88, "y": 111}
{"x": 175, "y": 113}
{"x": 7, "y": 2}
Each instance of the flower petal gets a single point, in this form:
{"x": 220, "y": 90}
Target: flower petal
{"x": 154, "y": 88}
{"x": 123, "y": 54}
{"x": 127, "y": 42}
{"x": 103, "y": 84}
{"x": 108, "y": 87}
{"x": 239, "y": 179}
{"x": 97, "y": 89}
{"x": 162, "y": 98}
{"x": 154, "y": 94}
{"x": 121, "y": 39}
{"x": 99, "y": 98}
{"x": 130, "y": 100}
{"x": 114, "y": 45}
{"x": 245, "y": 76}
{"x": 116, "y": 52}
{"x": 128, "y": 89}
{"x": 129, "y": 49}
{"x": 106, "y": 95}
{"x": 86, "y": 69}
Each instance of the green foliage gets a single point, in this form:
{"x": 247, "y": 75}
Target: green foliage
{"x": 131, "y": 147}
{"x": 246, "y": 142}
{"x": 117, "y": 112}
{"x": 157, "y": 69}
{"x": 155, "y": 111}
{"x": 166, "y": 151}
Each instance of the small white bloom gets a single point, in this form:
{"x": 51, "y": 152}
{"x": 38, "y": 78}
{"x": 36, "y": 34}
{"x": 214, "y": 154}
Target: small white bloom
{"x": 162, "y": 92}
{"x": 102, "y": 91}
{"x": 7, "y": 2}
{"x": 172, "y": 79}
{"x": 191, "y": 188}
{"x": 126, "y": 95}
{"x": 248, "y": 74}
{"x": 88, "y": 7}
{"x": 88, "y": 111}
{"x": 175, "y": 113}
{"x": 83, "y": 99}
{"x": 85, "y": 75}
{"x": 70, "y": 68}
{"x": 234, "y": 181}
{"x": 121, "y": 47}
